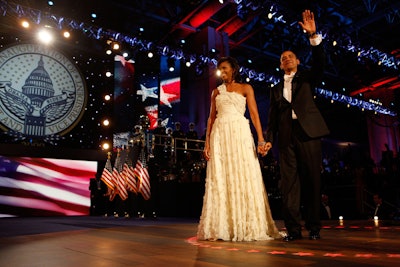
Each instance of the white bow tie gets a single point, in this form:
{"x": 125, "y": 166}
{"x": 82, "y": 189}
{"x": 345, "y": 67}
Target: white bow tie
{"x": 289, "y": 77}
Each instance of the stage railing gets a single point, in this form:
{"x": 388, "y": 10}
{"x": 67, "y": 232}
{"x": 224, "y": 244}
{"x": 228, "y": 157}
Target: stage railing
{"x": 174, "y": 144}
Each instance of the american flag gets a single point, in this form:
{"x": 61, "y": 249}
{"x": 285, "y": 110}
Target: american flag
{"x": 119, "y": 178}
{"x": 129, "y": 175}
{"x": 44, "y": 186}
{"x": 143, "y": 176}
{"x": 106, "y": 175}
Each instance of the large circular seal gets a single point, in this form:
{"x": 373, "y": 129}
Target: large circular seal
{"x": 42, "y": 92}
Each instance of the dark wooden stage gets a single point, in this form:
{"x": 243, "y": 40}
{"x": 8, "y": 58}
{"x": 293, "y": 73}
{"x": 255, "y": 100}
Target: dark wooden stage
{"x": 109, "y": 241}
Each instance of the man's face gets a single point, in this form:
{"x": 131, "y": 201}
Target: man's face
{"x": 289, "y": 61}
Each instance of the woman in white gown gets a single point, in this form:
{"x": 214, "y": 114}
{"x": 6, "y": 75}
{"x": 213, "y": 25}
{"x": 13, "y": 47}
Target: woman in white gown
{"x": 235, "y": 204}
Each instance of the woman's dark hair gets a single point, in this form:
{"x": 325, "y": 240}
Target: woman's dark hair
{"x": 235, "y": 66}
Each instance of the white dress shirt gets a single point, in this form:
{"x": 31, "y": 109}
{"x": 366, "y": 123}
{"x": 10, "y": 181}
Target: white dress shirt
{"x": 287, "y": 84}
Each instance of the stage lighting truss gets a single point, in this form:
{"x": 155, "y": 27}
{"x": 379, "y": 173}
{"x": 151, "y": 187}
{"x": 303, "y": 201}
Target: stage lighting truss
{"x": 99, "y": 33}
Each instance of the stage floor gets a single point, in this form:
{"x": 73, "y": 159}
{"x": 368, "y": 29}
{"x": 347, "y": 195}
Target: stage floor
{"x": 109, "y": 241}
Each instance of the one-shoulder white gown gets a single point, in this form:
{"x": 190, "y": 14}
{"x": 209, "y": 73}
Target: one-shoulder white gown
{"x": 235, "y": 203}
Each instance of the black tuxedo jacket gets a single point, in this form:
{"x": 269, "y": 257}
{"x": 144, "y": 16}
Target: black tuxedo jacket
{"x": 308, "y": 115}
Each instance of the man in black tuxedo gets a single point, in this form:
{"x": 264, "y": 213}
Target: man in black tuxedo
{"x": 298, "y": 124}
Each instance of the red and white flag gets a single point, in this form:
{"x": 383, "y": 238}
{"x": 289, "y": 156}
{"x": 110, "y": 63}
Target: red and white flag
{"x": 129, "y": 175}
{"x": 119, "y": 178}
{"x": 143, "y": 176}
{"x": 106, "y": 176}
{"x": 45, "y": 186}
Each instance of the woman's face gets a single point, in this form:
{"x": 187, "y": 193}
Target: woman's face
{"x": 226, "y": 71}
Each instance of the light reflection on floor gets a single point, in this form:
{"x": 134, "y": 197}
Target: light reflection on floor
{"x": 371, "y": 225}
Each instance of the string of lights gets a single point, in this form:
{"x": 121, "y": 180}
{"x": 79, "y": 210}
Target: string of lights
{"x": 99, "y": 33}
{"x": 346, "y": 42}
{"x": 352, "y": 101}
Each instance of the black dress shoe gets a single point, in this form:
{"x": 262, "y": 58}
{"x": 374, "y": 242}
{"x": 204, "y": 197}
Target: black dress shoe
{"x": 314, "y": 235}
{"x": 292, "y": 237}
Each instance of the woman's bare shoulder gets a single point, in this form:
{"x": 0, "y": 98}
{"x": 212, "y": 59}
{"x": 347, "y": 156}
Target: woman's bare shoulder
{"x": 215, "y": 92}
{"x": 246, "y": 88}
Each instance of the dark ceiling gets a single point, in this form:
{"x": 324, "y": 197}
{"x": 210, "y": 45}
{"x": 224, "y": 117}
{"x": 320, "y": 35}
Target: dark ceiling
{"x": 365, "y": 24}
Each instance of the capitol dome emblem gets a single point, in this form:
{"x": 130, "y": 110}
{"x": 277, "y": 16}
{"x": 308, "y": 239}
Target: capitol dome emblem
{"x": 42, "y": 93}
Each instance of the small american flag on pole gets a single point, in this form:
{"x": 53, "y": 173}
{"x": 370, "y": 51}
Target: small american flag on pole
{"x": 106, "y": 176}
{"x": 129, "y": 175}
{"x": 119, "y": 178}
{"x": 142, "y": 174}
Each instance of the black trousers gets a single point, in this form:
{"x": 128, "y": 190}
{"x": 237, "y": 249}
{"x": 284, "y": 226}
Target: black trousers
{"x": 300, "y": 169}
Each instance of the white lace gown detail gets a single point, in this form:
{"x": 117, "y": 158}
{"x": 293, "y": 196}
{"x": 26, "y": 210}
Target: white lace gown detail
{"x": 235, "y": 204}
